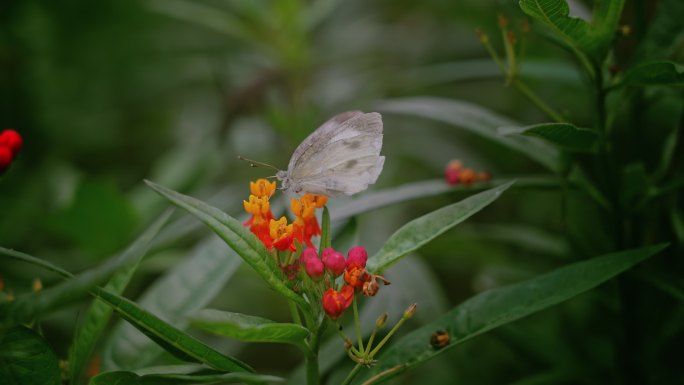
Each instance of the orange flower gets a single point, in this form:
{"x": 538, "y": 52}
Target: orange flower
{"x": 281, "y": 234}
{"x": 262, "y": 188}
{"x": 356, "y": 276}
{"x": 306, "y": 224}
{"x": 335, "y": 303}
{"x": 258, "y": 224}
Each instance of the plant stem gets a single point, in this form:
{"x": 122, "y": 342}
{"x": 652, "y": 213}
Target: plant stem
{"x": 358, "y": 326}
{"x": 352, "y": 374}
{"x": 295, "y": 312}
{"x": 387, "y": 337}
{"x": 522, "y": 87}
{"x": 313, "y": 376}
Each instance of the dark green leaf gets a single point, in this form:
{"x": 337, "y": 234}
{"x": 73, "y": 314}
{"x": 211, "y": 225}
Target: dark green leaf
{"x": 130, "y": 378}
{"x": 422, "y": 230}
{"x": 500, "y": 306}
{"x": 585, "y": 38}
{"x": 249, "y": 328}
{"x": 33, "y": 305}
{"x": 194, "y": 282}
{"x": 96, "y": 319}
{"x": 665, "y": 30}
{"x": 170, "y": 338}
{"x": 656, "y": 73}
{"x": 563, "y": 135}
{"x": 26, "y": 359}
{"x": 239, "y": 238}
{"x": 475, "y": 119}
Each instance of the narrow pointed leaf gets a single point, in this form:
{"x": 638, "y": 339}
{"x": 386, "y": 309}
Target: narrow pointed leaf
{"x": 475, "y": 119}
{"x": 563, "y": 135}
{"x": 170, "y": 338}
{"x": 422, "y": 230}
{"x": 130, "y": 378}
{"x": 194, "y": 282}
{"x": 239, "y": 238}
{"x": 500, "y": 306}
{"x": 97, "y": 317}
{"x": 248, "y": 328}
{"x": 26, "y": 359}
{"x": 34, "y": 305}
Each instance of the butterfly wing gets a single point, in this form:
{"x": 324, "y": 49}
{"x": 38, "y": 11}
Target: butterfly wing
{"x": 340, "y": 157}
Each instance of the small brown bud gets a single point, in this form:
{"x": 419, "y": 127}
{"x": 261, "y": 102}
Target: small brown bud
{"x": 410, "y": 311}
{"x": 370, "y": 288}
{"x": 625, "y": 30}
{"x": 512, "y": 39}
{"x": 37, "y": 285}
{"x": 484, "y": 39}
{"x": 380, "y": 322}
{"x": 348, "y": 344}
{"x": 503, "y": 21}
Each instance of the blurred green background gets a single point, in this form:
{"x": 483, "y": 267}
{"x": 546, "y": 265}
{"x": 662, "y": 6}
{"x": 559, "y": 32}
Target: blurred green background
{"x": 108, "y": 93}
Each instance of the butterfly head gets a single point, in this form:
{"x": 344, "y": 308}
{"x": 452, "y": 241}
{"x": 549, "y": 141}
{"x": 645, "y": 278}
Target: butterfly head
{"x": 287, "y": 183}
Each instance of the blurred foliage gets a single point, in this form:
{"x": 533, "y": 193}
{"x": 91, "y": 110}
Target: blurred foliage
{"x": 106, "y": 94}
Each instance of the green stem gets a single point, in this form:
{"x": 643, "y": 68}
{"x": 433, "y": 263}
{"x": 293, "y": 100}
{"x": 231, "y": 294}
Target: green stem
{"x": 370, "y": 341}
{"x": 295, "y": 312}
{"x": 313, "y": 377}
{"x": 356, "y": 322}
{"x": 352, "y": 374}
{"x": 387, "y": 337}
{"x": 522, "y": 87}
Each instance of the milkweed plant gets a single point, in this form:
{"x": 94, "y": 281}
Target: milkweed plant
{"x": 325, "y": 288}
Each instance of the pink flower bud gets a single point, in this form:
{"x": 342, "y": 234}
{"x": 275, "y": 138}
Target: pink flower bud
{"x": 314, "y": 267}
{"x": 357, "y": 257}
{"x": 334, "y": 262}
{"x": 307, "y": 254}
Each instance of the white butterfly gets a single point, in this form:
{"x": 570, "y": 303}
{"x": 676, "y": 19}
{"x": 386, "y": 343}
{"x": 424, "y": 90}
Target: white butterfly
{"x": 341, "y": 157}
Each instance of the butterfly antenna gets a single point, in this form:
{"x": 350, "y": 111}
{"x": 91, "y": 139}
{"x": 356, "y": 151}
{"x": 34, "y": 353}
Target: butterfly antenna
{"x": 254, "y": 163}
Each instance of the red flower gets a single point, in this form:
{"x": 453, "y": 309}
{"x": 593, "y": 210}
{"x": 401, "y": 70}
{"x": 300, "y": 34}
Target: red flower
{"x": 335, "y": 303}
{"x": 5, "y": 158}
{"x": 356, "y": 276}
{"x": 12, "y": 140}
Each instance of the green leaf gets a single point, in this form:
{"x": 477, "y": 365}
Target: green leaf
{"x": 500, "y": 306}
{"x": 194, "y": 282}
{"x": 422, "y": 230}
{"x": 584, "y": 38}
{"x": 563, "y": 135}
{"x": 372, "y": 200}
{"x": 130, "y": 378}
{"x": 170, "y": 338}
{"x": 96, "y": 319}
{"x": 655, "y": 73}
{"x": 26, "y": 359}
{"x": 475, "y": 119}
{"x": 248, "y": 328}
{"x": 239, "y": 238}
{"x": 34, "y": 305}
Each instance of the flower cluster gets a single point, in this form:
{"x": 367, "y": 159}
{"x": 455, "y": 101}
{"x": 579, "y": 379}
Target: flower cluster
{"x": 293, "y": 249}
{"x": 455, "y": 173}
{"x": 279, "y": 234}
{"x": 356, "y": 277}
{"x": 10, "y": 144}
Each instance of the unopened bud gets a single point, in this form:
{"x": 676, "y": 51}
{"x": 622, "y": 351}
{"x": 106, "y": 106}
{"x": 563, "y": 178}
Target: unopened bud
{"x": 348, "y": 344}
{"x": 503, "y": 21}
{"x": 380, "y": 322}
{"x": 37, "y": 285}
{"x": 410, "y": 311}
{"x": 526, "y": 25}
{"x": 484, "y": 39}
{"x": 625, "y": 30}
{"x": 510, "y": 36}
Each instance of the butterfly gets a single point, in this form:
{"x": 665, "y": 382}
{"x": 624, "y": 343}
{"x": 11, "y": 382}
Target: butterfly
{"x": 342, "y": 156}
